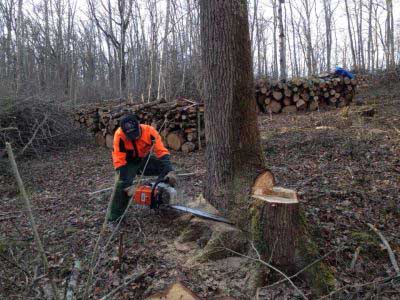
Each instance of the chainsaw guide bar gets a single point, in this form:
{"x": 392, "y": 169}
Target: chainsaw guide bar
{"x": 161, "y": 194}
{"x": 200, "y": 213}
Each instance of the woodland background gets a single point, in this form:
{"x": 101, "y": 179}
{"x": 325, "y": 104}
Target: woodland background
{"x": 79, "y": 51}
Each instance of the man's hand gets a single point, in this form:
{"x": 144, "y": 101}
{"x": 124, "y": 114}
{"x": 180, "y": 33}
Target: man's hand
{"x": 171, "y": 178}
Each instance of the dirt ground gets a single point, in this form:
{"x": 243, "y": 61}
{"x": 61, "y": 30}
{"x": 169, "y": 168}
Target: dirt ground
{"x": 345, "y": 166}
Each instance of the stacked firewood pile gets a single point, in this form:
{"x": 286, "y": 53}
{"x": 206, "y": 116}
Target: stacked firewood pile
{"x": 364, "y": 81}
{"x": 301, "y": 94}
{"x": 180, "y": 123}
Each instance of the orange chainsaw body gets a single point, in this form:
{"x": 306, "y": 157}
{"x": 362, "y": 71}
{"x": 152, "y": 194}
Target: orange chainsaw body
{"x": 143, "y": 195}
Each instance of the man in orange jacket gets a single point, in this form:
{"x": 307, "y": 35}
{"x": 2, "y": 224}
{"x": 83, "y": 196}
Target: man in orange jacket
{"x": 138, "y": 149}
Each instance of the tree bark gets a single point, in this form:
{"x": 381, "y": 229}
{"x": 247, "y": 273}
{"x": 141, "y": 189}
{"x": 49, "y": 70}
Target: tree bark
{"x": 234, "y": 156}
{"x": 282, "y": 44}
{"x": 353, "y": 52}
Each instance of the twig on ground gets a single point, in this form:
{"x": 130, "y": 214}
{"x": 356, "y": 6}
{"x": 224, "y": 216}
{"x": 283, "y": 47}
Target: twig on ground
{"x": 14, "y": 264}
{"x": 96, "y": 247}
{"x": 73, "y": 280}
{"x": 355, "y": 257}
{"x": 8, "y": 129}
{"x": 306, "y": 267}
{"x": 38, "y": 241}
{"x": 140, "y": 228}
{"x": 357, "y": 286}
{"x": 128, "y": 280}
{"x": 388, "y": 248}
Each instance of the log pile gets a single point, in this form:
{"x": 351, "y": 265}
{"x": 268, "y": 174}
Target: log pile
{"x": 180, "y": 123}
{"x": 302, "y": 94}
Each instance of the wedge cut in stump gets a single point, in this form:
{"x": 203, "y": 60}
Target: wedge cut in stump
{"x": 275, "y": 225}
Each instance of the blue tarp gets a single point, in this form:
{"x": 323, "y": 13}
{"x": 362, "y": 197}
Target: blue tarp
{"x": 344, "y": 72}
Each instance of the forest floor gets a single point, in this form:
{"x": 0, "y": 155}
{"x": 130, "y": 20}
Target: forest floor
{"x": 345, "y": 167}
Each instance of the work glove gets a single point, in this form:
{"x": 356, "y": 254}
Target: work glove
{"x": 123, "y": 176}
{"x": 171, "y": 178}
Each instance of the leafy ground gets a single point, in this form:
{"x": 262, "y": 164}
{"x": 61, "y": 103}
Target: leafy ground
{"x": 345, "y": 166}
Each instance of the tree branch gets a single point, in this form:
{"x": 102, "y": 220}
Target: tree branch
{"x": 28, "y": 205}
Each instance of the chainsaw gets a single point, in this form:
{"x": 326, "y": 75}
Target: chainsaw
{"x": 160, "y": 194}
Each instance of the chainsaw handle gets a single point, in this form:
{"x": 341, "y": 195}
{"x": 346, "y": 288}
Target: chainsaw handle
{"x": 154, "y": 203}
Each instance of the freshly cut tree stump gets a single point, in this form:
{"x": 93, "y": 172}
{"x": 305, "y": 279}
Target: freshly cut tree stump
{"x": 175, "y": 140}
{"x": 275, "y": 226}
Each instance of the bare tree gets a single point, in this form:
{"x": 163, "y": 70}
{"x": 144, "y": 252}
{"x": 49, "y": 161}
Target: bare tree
{"x": 282, "y": 43}
{"x": 106, "y": 22}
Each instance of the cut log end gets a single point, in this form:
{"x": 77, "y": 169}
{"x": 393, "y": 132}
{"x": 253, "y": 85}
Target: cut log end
{"x": 175, "y": 140}
{"x": 188, "y": 147}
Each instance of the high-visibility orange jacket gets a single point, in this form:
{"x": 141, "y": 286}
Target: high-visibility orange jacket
{"x": 125, "y": 149}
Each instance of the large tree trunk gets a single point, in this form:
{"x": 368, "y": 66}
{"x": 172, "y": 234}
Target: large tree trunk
{"x": 234, "y": 156}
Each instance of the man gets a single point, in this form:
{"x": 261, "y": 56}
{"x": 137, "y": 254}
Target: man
{"x": 138, "y": 149}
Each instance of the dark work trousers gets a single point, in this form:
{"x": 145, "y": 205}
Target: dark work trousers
{"x": 120, "y": 201}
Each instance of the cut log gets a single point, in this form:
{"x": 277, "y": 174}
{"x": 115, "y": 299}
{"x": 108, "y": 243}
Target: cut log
{"x": 264, "y": 90}
{"x": 99, "y": 139}
{"x": 289, "y": 109}
{"x": 277, "y": 95}
{"x": 288, "y": 93}
{"x": 188, "y": 147}
{"x": 175, "y": 140}
{"x": 191, "y": 137}
{"x": 301, "y": 104}
{"x": 287, "y": 101}
{"x": 313, "y": 105}
{"x": 274, "y": 106}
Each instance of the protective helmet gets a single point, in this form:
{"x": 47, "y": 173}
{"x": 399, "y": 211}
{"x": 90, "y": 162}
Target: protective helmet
{"x": 131, "y": 127}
